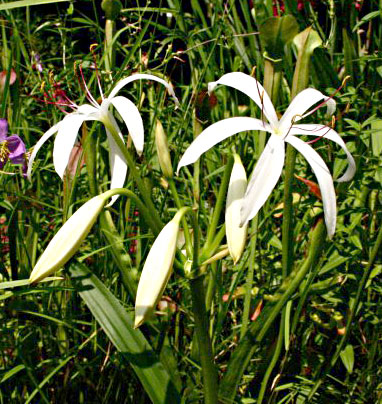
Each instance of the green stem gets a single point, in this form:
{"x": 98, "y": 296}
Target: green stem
{"x": 219, "y": 203}
{"x": 249, "y": 278}
{"x": 179, "y": 205}
{"x": 209, "y": 371}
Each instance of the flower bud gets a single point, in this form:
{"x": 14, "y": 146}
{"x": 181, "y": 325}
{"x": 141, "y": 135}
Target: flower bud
{"x": 157, "y": 270}
{"x": 68, "y": 239}
{"x": 235, "y": 234}
{"x": 163, "y": 151}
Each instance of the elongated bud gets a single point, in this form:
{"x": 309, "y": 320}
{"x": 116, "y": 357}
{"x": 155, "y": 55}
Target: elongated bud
{"x": 157, "y": 270}
{"x": 68, "y": 239}
{"x": 163, "y": 151}
{"x": 235, "y": 234}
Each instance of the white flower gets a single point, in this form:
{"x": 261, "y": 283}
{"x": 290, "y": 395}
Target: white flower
{"x": 236, "y": 235}
{"x": 67, "y": 129}
{"x": 269, "y": 166}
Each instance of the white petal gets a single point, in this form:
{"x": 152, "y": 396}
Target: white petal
{"x": 216, "y": 133}
{"x": 301, "y": 103}
{"x": 133, "y": 120}
{"x": 38, "y": 145}
{"x": 141, "y": 76}
{"x": 251, "y": 87}
{"x": 264, "y": 178}
{"x": 324, "y": 179}
{"x": 118, "y": 165}
{"x": 65, "y": 139}
{"x": 327, "y": 133}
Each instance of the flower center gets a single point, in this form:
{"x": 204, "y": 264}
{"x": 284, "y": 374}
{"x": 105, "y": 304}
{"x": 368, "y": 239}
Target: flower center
{"x": 4, "y": 151}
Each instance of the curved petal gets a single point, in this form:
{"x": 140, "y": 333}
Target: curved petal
{"x": 264, "y": 178}
{"x": 251, "y": 87}
{"x": 133, "y": 120}
{"x": 65, "y": 139}
{"x": 216, "y": 133}
{"x": 38, "y": 145}
{"x": 301, "y": 103}
{"x": 141, "y": 76}
{"x": 118, "y": 165}
{"x": 327, "y": 133}
{"x": 324, "y": 179}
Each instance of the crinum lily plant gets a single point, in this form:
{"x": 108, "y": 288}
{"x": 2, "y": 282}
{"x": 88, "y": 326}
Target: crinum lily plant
{"x": 270, "y": 164}
{"x": 67, "y": 129}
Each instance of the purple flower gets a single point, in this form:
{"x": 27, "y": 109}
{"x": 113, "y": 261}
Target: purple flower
{"x": 11, "y": 147}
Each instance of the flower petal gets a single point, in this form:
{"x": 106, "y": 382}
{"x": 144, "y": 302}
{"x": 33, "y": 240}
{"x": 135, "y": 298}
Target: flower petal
{"x": 327, "y": 133}
{"x": 216, "y": 133}
{"x": 251, "y": 87}
{"x": 264, "y": 178}
{"x": 65, "y": 139}
{"x": 118, "y": 165}
{"x": 301, "y": 103}
{"x": 38, "y": 145}
{"x": 17, "y": 149}
{"x": 324, "y": 179}
{"x": 133, "y": 120}
{"x": 141, "y": 76}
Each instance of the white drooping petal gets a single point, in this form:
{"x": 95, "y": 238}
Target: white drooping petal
{"x": 141, "y": 76}
{"x": 216, "y": 133}
{"x": 133, "y": 120}
{"x": 236, "y": 235}
{"x": 325, "y": 181}
{"x": 327, "y": 133}
{"x": 264, "y": 178}
{"x": 301, "y": 103}
{"x": 68, "y": 239}
{"x": 65, "y": 139}
{"x": 118, "y": 165}
{"x": 38, "y": 145}
{"x": 156, "y": 271}
{"x": 251, "y": 87}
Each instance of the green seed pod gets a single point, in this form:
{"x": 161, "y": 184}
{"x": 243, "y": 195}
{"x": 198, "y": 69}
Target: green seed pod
{"x": 163, "y": 151}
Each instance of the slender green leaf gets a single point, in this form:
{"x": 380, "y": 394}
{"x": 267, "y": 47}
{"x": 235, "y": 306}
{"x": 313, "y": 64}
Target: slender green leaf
{"x": 26, "y": 3}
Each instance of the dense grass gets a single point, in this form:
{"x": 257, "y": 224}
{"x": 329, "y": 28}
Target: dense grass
{"x": 72, "y": 339}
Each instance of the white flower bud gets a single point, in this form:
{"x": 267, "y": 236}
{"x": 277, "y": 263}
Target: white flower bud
{"x": 68, "y": 239}
{"x": 157, "y": 270}
{"x": 236, "y": 235}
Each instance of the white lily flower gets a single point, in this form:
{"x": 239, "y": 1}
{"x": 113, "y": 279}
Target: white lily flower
{"x": 67, "y": 129}
{"x": 269, "y": 166}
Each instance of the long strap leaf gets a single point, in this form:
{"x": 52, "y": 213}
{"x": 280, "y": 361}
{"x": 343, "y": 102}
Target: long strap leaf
{"x": 118, "y": 326}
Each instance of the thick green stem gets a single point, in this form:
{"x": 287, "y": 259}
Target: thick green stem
{"x": 209, "y": 372}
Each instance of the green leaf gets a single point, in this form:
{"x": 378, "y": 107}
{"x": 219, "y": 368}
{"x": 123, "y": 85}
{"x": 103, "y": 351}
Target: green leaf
{"x": 347, "y": 357}
{"x": 26, "y": 3}
{"x": 367, "y": 18}
{"x": 276, "y": 32}
{"x": 118, "y": 326}
{"x": 376, "y": 137}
